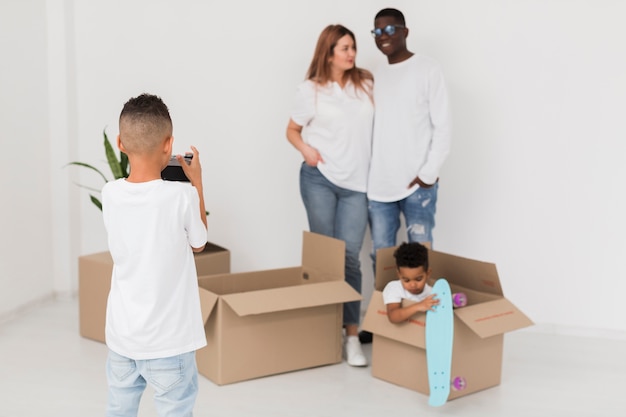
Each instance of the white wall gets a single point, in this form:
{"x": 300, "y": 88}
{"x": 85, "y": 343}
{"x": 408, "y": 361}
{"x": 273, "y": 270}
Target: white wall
{"x": 25, "y": 221}
{"x": 533, "y": 183}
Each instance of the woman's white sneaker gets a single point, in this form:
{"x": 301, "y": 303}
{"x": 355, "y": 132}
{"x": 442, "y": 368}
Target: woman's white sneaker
{"x": 354, "y": 353}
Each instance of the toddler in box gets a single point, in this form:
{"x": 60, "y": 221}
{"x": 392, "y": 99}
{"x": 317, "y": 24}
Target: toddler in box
{"x": 413, "y": 273}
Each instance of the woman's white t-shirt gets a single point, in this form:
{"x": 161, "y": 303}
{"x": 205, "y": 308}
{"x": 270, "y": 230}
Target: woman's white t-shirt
{"x": 338, "y": 123}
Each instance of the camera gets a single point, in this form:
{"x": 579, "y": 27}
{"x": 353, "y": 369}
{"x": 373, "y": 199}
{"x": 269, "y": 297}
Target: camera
{"x": 173, "y": 171}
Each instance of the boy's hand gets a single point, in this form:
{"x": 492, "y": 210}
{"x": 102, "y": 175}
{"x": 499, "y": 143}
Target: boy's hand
{"x": 429, "y": 302}
{"x": 193, "y": 170}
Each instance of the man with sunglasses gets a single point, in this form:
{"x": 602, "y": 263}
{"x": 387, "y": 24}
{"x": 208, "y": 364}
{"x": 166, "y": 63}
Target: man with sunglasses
{"x": 411, "y": 139}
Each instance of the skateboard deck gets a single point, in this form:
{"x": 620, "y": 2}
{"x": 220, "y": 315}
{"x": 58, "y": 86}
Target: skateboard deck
{"x": 439, "y": 338}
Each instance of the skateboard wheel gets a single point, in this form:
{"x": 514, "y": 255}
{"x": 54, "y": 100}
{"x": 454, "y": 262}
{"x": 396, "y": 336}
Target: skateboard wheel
{"x": 459, "y": 299}
{"x": 459, "y": 383}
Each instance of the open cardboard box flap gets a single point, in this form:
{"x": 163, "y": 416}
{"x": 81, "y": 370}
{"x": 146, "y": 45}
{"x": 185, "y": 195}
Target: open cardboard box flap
{"x": 207, "y": 302}
{"x": 485, "y": 319}
{"x": 322, "y": 258}
{"x": 467, "y": 273}
{"x": 462, "y": 272}
{"x": 318, "y": 282}
{"x": 291, "y": 298}
{"x": 493, "y": 317}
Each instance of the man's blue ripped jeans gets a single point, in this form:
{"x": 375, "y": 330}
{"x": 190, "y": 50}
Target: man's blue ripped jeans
{"x": 418, "y": 210}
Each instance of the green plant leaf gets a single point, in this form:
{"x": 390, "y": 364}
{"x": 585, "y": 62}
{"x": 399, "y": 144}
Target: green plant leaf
{"x": 95, "y": 201}
{"x": 114, "y": 163}
{"x": 82, "y": 164}
{"x": 96, "y": 190}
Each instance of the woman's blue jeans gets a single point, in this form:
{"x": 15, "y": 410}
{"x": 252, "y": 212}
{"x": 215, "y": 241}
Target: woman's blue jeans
{"x": 340, "y": 213}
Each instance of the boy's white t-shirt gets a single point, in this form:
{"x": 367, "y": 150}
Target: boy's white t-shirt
{"x": 394, "y": 292}
{"x": 338, "y": 123}
{"x": 153, "y": 308}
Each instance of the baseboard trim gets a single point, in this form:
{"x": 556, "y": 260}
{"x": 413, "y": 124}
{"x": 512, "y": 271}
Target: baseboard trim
{"x": 561, "y": 330}
{"x": 33, "y": 304}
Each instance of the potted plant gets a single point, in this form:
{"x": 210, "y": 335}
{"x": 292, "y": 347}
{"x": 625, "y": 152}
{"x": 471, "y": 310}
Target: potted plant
{"x": 118, "y": 166}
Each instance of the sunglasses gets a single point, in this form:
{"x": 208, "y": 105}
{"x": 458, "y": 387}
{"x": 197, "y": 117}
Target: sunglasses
{"x": 390, "y": 30}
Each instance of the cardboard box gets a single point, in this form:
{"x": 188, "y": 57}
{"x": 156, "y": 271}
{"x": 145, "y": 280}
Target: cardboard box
{"x": 274, "y": 321}
{"x": 94, "y": 283}
{"x": 398, "y": 351}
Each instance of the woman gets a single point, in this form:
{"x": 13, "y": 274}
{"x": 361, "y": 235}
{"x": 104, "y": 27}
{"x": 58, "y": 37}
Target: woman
{"x": 331, "y": 126}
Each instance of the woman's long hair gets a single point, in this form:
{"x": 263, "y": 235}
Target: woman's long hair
{"x": 319, "y": 70}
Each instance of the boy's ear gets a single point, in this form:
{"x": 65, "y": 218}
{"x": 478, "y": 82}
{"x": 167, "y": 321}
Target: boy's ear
{"x": 120, "y": 145}
{"x": 167, "y": 145}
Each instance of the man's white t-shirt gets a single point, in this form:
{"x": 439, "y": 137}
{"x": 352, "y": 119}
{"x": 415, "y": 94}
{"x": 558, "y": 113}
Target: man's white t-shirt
{"x": 153, "y": 308}
{"x": 412, "y": 127}
{"x": 394, "y": 292}
{"x": 338, "y": 123}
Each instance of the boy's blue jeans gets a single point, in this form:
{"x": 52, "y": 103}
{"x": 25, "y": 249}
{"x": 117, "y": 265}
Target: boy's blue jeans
{"x": 174, "y": 380}
{"x": 418, "y": 210}
{"x": 340, "y": 213}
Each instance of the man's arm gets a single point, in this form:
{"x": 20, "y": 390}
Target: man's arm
{"x": 441, "y": 120}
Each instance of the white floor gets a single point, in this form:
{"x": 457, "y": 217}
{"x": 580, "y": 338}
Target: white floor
{"x": 47, "y": 369}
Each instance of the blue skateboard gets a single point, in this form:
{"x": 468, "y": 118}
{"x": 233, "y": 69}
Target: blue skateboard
{"x": 439, "y": 338}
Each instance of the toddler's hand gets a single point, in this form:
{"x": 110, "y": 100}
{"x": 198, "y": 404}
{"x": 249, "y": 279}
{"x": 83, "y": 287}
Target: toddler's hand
{"x": 430, "y": 302}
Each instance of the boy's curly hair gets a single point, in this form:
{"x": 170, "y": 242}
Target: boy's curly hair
{"x": 411, "y": 255}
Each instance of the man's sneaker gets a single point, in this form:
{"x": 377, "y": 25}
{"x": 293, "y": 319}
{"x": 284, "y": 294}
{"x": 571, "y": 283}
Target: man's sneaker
{"x": 354, "y": 353}
{"x": 365, "y": 337}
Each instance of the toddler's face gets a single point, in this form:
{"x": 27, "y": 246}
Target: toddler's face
{"x": 413, "y": 279}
